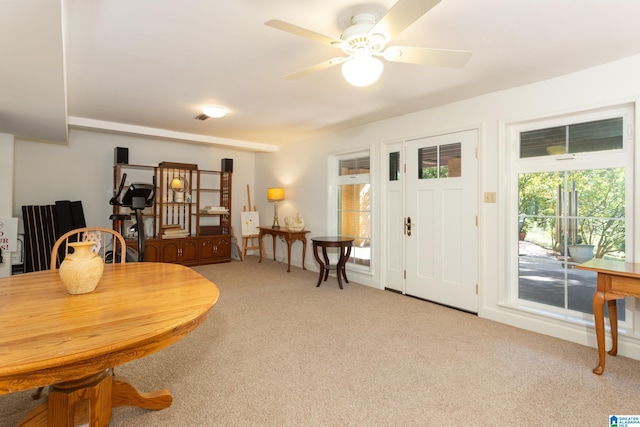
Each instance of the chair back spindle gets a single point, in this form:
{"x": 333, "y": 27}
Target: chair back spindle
{"x": 109, "y": 245}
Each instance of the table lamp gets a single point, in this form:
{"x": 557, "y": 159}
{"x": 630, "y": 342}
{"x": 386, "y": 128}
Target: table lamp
{"x": 275, "y": 195}
{"x": 179, "y": 185}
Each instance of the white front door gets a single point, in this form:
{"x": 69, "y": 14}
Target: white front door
{"x": 441, "y": 199}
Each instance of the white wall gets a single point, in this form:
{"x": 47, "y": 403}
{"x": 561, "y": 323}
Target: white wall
{"x": 302, "y": 169}
{"x": 6, "y": 190}
{"x": 302, "y": 166}
{"x": 83, "y": 170}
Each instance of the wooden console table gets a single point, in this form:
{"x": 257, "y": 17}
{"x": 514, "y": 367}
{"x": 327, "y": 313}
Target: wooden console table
{"x": 289, "y": 236}
{"x": 344, "y": 246}
{"x": 616, "y": 280}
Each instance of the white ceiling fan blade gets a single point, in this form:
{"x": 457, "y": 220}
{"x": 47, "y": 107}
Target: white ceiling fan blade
{"x": 303, "y": 32}
{"x": 427, "y": 56}
{"x": 401, "y": 15}
{"x": 314, "y": 68}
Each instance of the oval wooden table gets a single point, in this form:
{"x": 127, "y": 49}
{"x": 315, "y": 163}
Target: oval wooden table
{"x": 344, "y": 247}
{"x": 72, "y": 342}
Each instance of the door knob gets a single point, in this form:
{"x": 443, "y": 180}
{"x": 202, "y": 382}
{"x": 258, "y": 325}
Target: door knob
{"x": 407, "y": 226}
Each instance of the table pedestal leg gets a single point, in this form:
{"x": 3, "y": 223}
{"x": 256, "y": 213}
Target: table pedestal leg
{"x": 304, "y": 251}
{"x": 89, "y": 400}
{"x": 124, "y": 394}
{"x": 613, "y": 320}
{"x": 273, "y": 238}
{"x": 344, "y": 264}
{"x": 326, "y": 263}
{"x": 598, "y": 314}
{"x": 339, "y": 267}
{"x": 317, "y": 257}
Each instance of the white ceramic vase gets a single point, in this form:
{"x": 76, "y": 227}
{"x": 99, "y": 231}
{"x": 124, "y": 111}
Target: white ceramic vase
{"x": 81, "y": 270}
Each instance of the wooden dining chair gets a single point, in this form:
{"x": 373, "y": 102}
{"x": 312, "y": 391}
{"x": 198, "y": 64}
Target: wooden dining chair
{"x": 109, "y": 245}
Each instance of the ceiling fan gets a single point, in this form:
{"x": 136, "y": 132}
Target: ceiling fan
{"x": 366, "y": 39}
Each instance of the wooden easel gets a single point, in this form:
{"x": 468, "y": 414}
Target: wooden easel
{"x": 249, "y": 241}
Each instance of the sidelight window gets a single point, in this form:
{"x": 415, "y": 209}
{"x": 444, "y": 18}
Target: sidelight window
{"x": 354, "y": 205}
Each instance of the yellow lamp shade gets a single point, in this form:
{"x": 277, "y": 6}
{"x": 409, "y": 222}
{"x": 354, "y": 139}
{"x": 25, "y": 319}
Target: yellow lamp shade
{"x": 275, "y": 194}
{"x": 179, "y": 184}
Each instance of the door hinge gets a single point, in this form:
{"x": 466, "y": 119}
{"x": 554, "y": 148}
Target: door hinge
{"x": 477, "y": 155}
{"x": 476, "y": 220}
{"x": 405, "y": 274}
{"x": 404, "y": 167}
{"x": 476, "y": 289}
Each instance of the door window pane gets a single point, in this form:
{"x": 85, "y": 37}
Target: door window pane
{"x": 394, "y": 166}
{"x": 440, "y": 161}
{"x": 450, "y": 160}
{"x": 428, "y": 163}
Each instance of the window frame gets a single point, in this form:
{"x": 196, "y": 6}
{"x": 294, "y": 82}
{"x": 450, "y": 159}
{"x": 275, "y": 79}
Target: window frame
{"x": 624, "y": 157}
{"x": 335, "y": 181}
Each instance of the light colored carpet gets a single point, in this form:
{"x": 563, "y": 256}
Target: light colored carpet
{"x": 277, "y": 351}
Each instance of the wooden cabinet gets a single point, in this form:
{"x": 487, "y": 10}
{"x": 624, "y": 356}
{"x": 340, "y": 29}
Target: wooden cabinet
{"x": 179, "y": 251}
{"x": 213, "y": 249}
{"x": 190, "y": 221}
{"x": 152, "y": 249}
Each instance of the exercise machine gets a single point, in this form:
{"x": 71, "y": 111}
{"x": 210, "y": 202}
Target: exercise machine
{"x": 137, "y": 197}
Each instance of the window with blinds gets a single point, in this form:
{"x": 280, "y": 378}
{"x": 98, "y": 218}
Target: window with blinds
{"x": 354, "y": 206}
{"x": 599, "y": 135}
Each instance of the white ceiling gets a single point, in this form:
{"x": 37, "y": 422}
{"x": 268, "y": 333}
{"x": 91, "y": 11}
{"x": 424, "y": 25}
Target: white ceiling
{"x": 148, "y": 66}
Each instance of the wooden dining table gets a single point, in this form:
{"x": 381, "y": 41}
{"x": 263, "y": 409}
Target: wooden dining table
{"x": 71, "y": 343}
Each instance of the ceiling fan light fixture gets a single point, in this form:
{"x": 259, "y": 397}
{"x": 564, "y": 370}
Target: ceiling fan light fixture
{"x": 362, "y": 70}
{"x": 367, "y": 34}
{"x": 214, "y": 111}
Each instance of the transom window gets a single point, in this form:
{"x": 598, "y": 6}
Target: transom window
{"x": 598, "y": 135}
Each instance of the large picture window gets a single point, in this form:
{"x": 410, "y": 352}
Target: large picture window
{"x": 573, "y": 186}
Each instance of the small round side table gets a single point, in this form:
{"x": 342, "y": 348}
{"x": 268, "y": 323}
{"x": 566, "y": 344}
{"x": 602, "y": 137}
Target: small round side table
{"x": 344, "y": 244}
